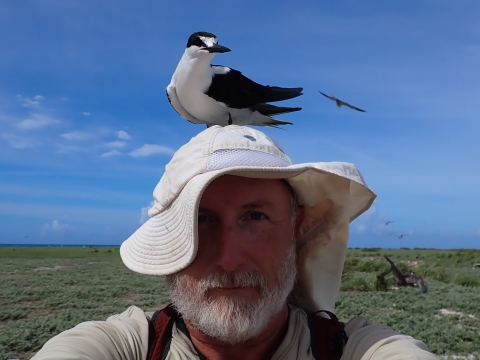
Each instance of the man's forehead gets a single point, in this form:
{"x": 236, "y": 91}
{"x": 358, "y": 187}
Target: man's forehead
{"x": 245, "y": 190}
{"x": 258, "y": 204}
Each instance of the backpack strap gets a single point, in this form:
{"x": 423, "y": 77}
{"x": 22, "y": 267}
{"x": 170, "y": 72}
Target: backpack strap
{"x": 160, "y": 332}
{"x": 327, "y": 336}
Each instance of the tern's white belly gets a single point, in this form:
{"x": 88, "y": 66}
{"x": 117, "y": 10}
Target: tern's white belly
{"x": 191, "y": 86}
{"x": 202, "y": 106}
{"x": 192, "y": 78}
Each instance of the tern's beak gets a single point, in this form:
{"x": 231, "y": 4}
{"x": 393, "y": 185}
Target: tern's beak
{"x": 217, "y": 49}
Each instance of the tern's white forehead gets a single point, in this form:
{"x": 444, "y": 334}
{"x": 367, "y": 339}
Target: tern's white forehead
{"x": 209, "y": 41}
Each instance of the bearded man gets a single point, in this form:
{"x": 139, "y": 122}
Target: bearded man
{"x": 252, "y": 247}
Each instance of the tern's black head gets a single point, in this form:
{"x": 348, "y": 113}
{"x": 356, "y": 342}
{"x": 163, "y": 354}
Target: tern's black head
{"x": 206, "y": 41}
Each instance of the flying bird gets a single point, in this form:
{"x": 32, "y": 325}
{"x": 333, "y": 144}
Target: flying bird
{"x": 340, "y": 102}
{"x": 388, "y": 222}
{"x": 219, "y": 95}
{"x": 401, "y": 236}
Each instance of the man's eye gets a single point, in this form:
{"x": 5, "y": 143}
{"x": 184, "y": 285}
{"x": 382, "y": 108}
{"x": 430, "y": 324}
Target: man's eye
{"x": 202, "y": 218}
{"x": 256, "y": 216}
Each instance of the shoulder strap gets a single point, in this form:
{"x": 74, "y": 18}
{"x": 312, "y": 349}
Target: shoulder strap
{"x": 160, "y": 332}
{"x": 327, "y": 336}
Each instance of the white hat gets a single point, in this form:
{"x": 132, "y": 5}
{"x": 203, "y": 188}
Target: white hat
{"x": 333, "y": 194}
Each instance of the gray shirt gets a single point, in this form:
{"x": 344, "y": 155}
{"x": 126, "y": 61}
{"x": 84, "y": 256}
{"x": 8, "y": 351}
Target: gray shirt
{"x": 125, "y": 337}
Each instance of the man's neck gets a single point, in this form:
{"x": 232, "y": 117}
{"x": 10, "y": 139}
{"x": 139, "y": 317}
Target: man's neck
{"x": 261, "y": 347}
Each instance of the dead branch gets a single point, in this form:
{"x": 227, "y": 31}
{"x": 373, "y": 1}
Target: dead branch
{"x": 408, "y": 279}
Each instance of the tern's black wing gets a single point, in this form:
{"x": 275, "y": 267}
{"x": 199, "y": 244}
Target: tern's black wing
{"x": 328, "y": 97}
{"x": 233, "y": 89}
{"x": 351, "y": 106}
{"x": 269, "y": 109}
{"x": 340, "y": 102}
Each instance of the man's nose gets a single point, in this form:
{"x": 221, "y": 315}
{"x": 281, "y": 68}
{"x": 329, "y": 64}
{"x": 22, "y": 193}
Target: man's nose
{"x": 232, "y": 254}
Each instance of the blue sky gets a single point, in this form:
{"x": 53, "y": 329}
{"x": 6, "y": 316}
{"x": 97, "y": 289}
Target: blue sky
{"x": 86, "y": 128}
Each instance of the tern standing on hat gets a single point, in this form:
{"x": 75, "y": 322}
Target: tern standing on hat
{"x": 252, "y": 246}
{"x": 218, "y": 95}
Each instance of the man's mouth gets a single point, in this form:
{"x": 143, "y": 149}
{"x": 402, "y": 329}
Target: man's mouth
{"x": 242, "y": 291}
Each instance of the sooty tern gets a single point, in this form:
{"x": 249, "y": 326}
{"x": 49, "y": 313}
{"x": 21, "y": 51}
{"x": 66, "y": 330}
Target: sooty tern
{"x": 218, "y": 95}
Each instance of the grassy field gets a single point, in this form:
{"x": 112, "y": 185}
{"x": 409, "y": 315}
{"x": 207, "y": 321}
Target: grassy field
{"x": 44, "y": 291}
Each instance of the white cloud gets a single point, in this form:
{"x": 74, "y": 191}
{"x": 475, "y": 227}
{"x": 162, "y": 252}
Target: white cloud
{"x": 123, "y": 135}
{"x": 36, "y": 121}
{"x": 77, "y": 136}
{"x": 19, "y": 142}
{"x": 116, "y": 144}
{"x": 29, "y": 103}
{"x": 150, "y": 149}
{"x": 86, "y": 113}
{"x": 144, "y": 213}
{"x": 373, "y": 222}
{"x": 55, "y": 226}
{"x": 111, "y": 153}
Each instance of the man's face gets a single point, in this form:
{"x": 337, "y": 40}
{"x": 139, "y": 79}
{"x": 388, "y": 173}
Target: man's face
{"x": 245, "y": 264}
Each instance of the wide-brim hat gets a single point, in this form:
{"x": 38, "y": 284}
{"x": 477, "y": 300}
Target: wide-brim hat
{"x": 333, "y": 194}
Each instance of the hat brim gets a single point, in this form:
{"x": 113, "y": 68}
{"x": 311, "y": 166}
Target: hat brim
{"x": 168, "y": 241}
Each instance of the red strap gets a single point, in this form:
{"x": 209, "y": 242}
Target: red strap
{"x": 160, "y": 332}
{"x": 324, "y": 335}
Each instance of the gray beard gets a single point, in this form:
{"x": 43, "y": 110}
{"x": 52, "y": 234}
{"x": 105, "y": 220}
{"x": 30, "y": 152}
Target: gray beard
{"x": 233, "y": 319}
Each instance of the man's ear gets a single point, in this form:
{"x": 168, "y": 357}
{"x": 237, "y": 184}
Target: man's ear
{"x": 299, "y": 221}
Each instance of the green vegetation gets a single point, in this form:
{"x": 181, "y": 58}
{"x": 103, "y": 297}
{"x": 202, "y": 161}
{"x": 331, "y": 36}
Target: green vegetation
{"x": 446, "y": 318}
{"x": 44, "y": 291}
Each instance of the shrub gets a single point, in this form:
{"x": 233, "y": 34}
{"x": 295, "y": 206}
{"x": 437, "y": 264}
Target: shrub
{"x": 358, "y": 282}
{"x": 370, "y": 266}
{"x": 350, "y": 264}
{"x": 466, "y": 280}
{"x": 436, "y": 273}
{"x": 371, "y": 249}
{"x": 384, "y": 284}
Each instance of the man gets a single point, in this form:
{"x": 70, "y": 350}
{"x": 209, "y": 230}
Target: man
{"x": 250, "y": 244}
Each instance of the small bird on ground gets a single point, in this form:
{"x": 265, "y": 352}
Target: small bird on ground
{"x": 340, "y": 102}
{"x": 218, "y": 95}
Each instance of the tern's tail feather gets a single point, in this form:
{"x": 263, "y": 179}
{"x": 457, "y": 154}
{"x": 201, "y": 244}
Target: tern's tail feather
{"x": 275, "y": 93}
{"x": 267, "y": 109}
{"x": 259, "y": 119}
{"x": 276, "y": 123}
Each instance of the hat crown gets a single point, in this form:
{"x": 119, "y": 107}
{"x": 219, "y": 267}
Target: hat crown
{"x": 192, "y": 158}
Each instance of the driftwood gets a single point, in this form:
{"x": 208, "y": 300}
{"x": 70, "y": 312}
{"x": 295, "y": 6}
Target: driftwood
{"x": 408, "y": 279}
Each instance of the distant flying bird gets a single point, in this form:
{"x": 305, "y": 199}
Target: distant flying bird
{"x": 218, "y": 95}
{"x": 388, "y": 222}
{"x": 340, "y": 102}
{"x": 401, "y": 236}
